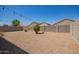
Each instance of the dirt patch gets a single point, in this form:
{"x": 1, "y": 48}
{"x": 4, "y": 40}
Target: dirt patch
{"x": 49, "y": 42}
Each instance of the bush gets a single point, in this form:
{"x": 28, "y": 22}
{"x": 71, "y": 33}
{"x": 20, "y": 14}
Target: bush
{"x": 36, "y": 28}
{"x": 25, "y": 30}
{"x": 15, "y": 22}
{"x": 1, "y": 34}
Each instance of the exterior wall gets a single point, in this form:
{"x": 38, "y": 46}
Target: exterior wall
{"x": 30, "y": 27}
{"x": 11, "y": 28}
{"x": 63, "y": 26}
{"x": 75, "y": 31}
{"x": 50, "y": 28}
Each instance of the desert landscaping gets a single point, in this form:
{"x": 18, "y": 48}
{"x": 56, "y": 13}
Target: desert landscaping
{"x": 35, "y": 41}
{"x": 49, "y": 42}
{"x": 34, "y": 31}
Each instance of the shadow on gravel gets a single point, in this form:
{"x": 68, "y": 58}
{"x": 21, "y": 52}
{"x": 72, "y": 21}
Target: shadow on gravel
{"x": 7, "y": 47}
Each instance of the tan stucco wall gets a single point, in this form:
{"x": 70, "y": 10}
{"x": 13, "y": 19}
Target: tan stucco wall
{"x": 63, "y": 26}
{"x": 65, "y": 22}
{"x": 75, "y": 31}
{"x": 46, "y": 28}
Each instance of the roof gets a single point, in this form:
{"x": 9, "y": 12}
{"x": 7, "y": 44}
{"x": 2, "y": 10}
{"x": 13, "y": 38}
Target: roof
{"x": 32, "y": 23}
{"x": 64, "y": 20}
{"x": 45, "y": 23}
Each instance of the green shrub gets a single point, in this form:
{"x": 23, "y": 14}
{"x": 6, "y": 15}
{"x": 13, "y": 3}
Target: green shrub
{"x": 25, "y": 30}
{"x": 1, "y": 34}
{"x": 36, "y": 28}
{"x": 15, "y": 22}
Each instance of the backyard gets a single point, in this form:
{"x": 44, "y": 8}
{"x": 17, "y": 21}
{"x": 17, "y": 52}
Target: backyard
{"x": 49, "y": 42}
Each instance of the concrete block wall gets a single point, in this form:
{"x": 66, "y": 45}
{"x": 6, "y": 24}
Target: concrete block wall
{"x": 75, "y": 30}
{"x": 56, "y": 28}
{"x": 64, "y": 28}
{"x": 48, "y": 28}
{"x": 11, "y": 28}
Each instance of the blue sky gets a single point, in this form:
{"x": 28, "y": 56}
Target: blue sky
{"x": 39, "y": 13}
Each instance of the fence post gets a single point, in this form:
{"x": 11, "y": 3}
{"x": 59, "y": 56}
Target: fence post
{"x": 71, "y": 28}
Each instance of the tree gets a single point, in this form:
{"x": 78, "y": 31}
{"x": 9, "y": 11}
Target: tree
{"x": 15, "y": 22}
{"x": 36, "y": 28}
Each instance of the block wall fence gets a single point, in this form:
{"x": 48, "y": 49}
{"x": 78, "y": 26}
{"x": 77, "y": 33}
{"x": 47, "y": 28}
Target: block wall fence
{"x": 74, "y": 28}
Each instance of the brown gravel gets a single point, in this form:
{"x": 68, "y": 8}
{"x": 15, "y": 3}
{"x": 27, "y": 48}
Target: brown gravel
{"x": 49, "y": 42}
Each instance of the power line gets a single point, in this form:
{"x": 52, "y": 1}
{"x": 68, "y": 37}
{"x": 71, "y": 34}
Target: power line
{"x": 15, "y": 13}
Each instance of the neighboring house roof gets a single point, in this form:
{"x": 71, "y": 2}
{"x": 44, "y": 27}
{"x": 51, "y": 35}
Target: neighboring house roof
{"x": 64, "y": 20}
{"x": 38, "y": 23}
{"x": 44, "y": 23}
{"x": 32, "y": 24}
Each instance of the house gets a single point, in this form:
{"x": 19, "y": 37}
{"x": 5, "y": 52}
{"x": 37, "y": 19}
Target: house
{"x": 30, "y": 26}
{"x": 62, "y": 26}
{"x": 44, "y": 26}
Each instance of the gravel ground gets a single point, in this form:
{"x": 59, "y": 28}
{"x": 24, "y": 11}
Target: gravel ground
{"x": 47, "y": 43}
